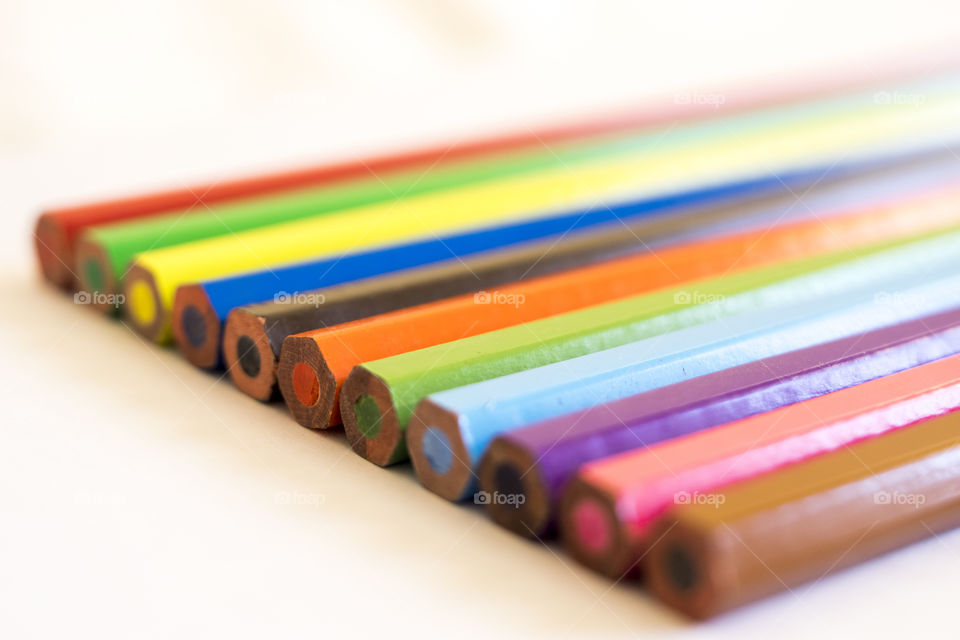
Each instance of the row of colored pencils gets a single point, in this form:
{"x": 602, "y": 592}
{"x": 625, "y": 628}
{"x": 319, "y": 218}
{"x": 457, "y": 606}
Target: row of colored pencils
{"x": 717, "y": 350}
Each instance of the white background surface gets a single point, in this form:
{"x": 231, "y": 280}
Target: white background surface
{"x": 142, "y": 498}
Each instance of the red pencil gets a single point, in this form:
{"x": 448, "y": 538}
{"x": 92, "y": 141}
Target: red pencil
{"x": 57, "y": 230}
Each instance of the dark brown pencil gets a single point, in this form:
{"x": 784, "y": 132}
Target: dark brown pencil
{"x": 268, "y": 324}
{"x": 253, "y": 335}
{"x": 795, "y": 525}
{"x": 58, "y": 230}
{"x": 537, "y": 461}
{"x": 198, "y": 317}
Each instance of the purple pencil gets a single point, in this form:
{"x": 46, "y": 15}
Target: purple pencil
{"x": 530, "y": 466}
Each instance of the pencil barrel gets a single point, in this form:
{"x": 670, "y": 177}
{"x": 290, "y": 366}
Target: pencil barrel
{"x": 779, "y": 531}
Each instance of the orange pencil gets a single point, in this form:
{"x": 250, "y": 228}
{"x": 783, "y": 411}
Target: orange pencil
{"x": 314, "y": 364}
{"x": 608, "y": 511}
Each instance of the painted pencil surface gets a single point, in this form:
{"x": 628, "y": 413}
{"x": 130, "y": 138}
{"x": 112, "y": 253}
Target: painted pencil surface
{"x": 608, "y": 510}
{"x": 152, "y": 280}
{"x": 201, "y": 309}
{"x": 720, "y": 349}
{"x": 58, "y": 230}
{"x": 537, "y": 461}
{"x": 783, "y": 529}
{"x": 323, "y": 357}
{"x": 451, "y": 430}
{"x": 378, "y": 398}
{"x": 532, "y": 245}
{"x": 104, "y": 252}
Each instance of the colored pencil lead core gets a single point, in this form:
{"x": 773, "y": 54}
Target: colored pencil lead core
{"x": 436, "y": 448}
{"x": 309, "y": 387}
{"x": 680, "y": 568}
{"x": 95, "y": 276}
{"x": 591, "y": 526}
{"x": 306, "y": 384}
{"x": 438, "y": 452}
{"x": 368, "y": 416}
{"x": 510, "y": 470}
{"x": 370, "y": 419}
{"x": 142, "y": 305}
{"x": 196, "y": 327}
{"x": 143, "y": 308}
{"x": 592, "y": 531}
{"x": 248, "y": 356}
{"x": 508, "y": 481}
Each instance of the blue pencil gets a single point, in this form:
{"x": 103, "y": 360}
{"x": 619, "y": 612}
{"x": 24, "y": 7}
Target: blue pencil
{"x": 201, "y": 309}
{"x": 450, "y": 430}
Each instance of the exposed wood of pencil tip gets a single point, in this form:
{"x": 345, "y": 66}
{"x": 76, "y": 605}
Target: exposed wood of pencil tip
{"x": 53, "y": 252}
{"x": 451, "y": 477}
{"x": 370, "y": 419}
{"x": 196, "y": 327}
{"x": 94, "y": 274}
{"x": 584, "y": 508}
{"x": 677, "y": 571}
{"x": 508, "y": 469}
{"x": 308, "y": 386}
{"x": 143, "y": 307}
{"x": 248, "y": 357}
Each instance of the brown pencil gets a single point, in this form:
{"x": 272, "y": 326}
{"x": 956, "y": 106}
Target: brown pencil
{"x": 58, "y": 229}
{"x": 798, "y": 524}
{"x": 253, "y": 335}
{"x": 268, "y": 324}
{"x": 197, "y": 317}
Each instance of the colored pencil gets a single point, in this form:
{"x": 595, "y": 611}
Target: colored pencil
{"x": 246, "y": 345}
{"x": 536, "y": 461}
{"x": 450, "y": 430}
{"x": 103, "y": 253}
{"x": 718, "y": 350}
{"x": 152, "y": 280}
{"x": 378, "y": 397}
{"x": 199, "y": 310}
{"x": 783, "y": 529}
{"x": 267, "y": 325}
{"x": 607, "y": 511}
{"x": 57, "y": 230}
{"x": 315, "y": 364}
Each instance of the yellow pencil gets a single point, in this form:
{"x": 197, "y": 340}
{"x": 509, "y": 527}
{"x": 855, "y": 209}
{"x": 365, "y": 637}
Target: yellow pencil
{"x": 677, "y": 161}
